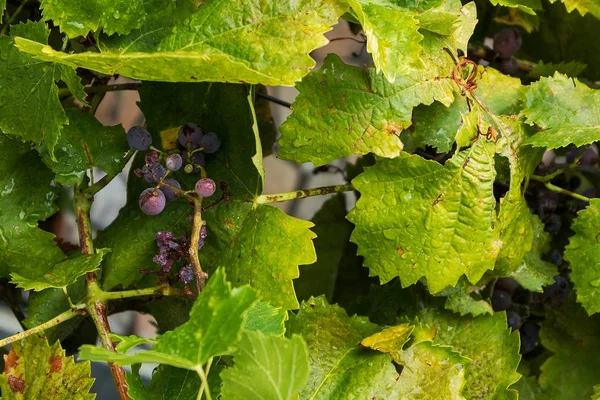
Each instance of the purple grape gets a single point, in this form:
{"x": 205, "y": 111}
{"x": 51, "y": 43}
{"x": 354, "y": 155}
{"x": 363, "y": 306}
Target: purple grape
{"x": 507, "y": 42}
{"x": 557, "y": 293}
{"x": 509, "y": 66}
{"x": 199, "y": 158}
{"x": 530, "y": 333}
{"x": 513, "y": 319}
{"x": 206, "y": 187}
{"x": 186, "y": 275}
{"x": 139, "y": 138}
{"x": 190, "y": 133}
{"x": 152, "y": 201}
{"x": 153, "y": 173}
{"x": 210, "y": 142}
{"x": 169, "y": 193}
{"x": 589, "y": 157}
{"x": 501, "y": 300}
{"x": 174, "y": 162}
{"x": 151, "y": 157}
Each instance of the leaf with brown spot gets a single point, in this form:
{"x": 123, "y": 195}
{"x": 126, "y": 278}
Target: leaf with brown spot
{"x": 35, "y": 370}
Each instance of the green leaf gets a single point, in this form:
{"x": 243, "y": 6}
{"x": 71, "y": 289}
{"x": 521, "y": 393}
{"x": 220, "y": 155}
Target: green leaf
{"x": 344, "y": 110}
{"x": 266, "y": 367}
{"x": 266, "y": 319}
{"x": 77, "y": 19}
{"x": 35, "y": 370}
{"x": 47, "y": 304}
{"x": 534, "y": 273}
{"x": 395, "y": 51}
{"x": 515, "y": 220}
{"x": 63, "y": 274}
{"x": 333, "y": 233}
{"x": 565, "y": 109}
{"x": 574, "y": 338}
{"x": 439, "y": 126}
{"x": 215, "y": 324}
{"x": 339, "y": 368}
{"x": 390, "y": 340}
{"x": 30, "y": 85}
{"x": 528, "y": 388}
{"x": 583, "y": 253}
{"x": 26, "y": 197}
{"x": 167, "y": 383}
{"x": 583, "y": 6}
{"x": 222, "y": 42}
{"x": 85, "y": 144}
{"x": 431, "y": 372}
{"x": 415, "y": 217}
{"x": 460, "y": 299}
{"x": 527, "y": 6}
{"x": 493, "y": 362}
{"x": 260, "y": 246}
{"x": 571, "y": 68}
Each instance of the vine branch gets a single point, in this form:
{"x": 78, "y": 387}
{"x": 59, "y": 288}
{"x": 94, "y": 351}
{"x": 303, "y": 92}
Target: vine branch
{"x": 59, "y": 319}
{"x": 94, "y": 305}
{"x": 65, "y": 92}
{"x": 557, "y": 189}
{"x": 300, "y": 194}
{"x": 164, "y": 290}
{"x": 95, "y": 187}
{"x": 199, "y": 275}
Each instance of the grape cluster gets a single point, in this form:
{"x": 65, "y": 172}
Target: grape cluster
{"x": 173, "y": 250}
{"x": 506, "y": 43}
{"x": 192, "y": 145}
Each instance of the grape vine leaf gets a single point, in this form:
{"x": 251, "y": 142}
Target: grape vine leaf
{"x": 333, "y": 233}
{"x": 583, "y": 6}
{"x": 343, "y": 110}
{"x": 395, "y": 51}
{"x": 565, "y": 109}
{"x": 85, "y": 143}
{"x": 571, "y": 68}
{"x": 534, "y": 273}
{"x": 266, "y": 319}
{"x": 528, "y": 388}
{"x": 28, "y": 84}
{"x": 260, "y": 246}
{"x": 35, "y": 370}
{"x": 486, "y": 341}
{"x": 266, "y": 367}
{"x": 215, "y": 325}
{"x": 439, "y": 126}
{"x": 527, "y": 6}
{"x": 63, "y": 274}
{"x": 26, "y": 197}
{"x": 167, "y": 383}
{"x": 516, "y": 222}
{"x": 463, "y": 300}
{"x": 389, "y": 340}
{"x": 218, "y": 41}
{"x": 47, "y": 304}
{"x": 596, "y": 394}
{"x": 574, "y": 338}
{"x": 416, "y": 217}
{"x": 431, "y": 372}
{"x": 582, "y": 253}
{"x": 339, "y": 367}
{"x": 77, "y": 19}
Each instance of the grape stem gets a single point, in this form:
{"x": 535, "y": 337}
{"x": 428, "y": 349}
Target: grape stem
{"x": 200, "y": 276}
{"x": 300, "y": 194}
{"x": 204, "y": 388}
{"x": 164, "y": 290}
{"x": 557, "y": 189}
{"x": 59, "y": 319}
{"x": 95, "y": 306}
